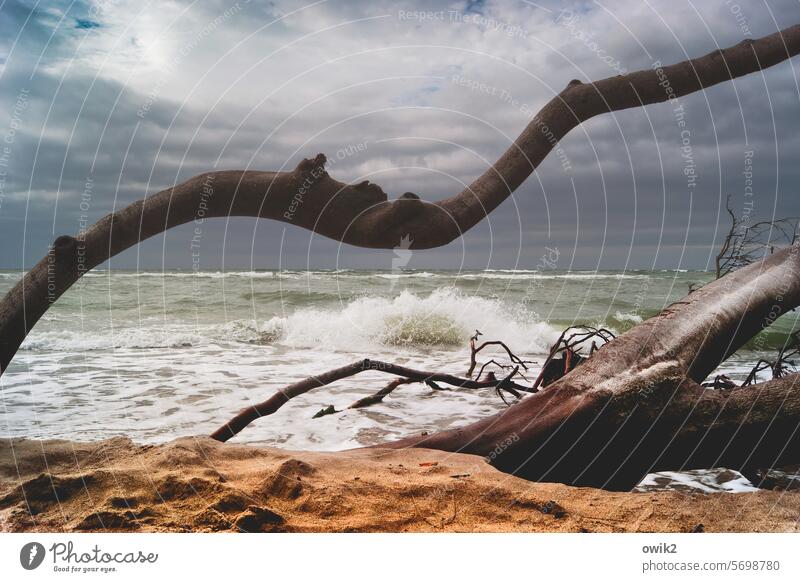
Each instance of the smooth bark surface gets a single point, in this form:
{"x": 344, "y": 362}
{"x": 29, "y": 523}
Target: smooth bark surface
{"x": 636, "y": 406}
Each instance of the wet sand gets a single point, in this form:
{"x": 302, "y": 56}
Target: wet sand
{"x": 197, "y": 484}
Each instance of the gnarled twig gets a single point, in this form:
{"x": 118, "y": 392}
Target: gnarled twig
{"x": 474, "y": 352}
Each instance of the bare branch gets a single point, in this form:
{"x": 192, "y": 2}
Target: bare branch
{"x": 568, "y": 346}
{"x": 380, "y": 394}
{"x": 282, "y": 396}
{"x": 474, "y": 352}
{"x": 746, "y": 243}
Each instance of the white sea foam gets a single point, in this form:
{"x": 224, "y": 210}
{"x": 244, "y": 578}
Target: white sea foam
{"x": 128, "y": 337}
{"x": 629, "y": 317}
{"x": 181, "y": 274}
{"x": 706, "y": 481}
{"x": 445, "y": 317}
{"x": 334, "y": 273}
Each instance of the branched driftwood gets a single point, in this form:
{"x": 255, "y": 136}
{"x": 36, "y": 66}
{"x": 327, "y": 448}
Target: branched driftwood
{"x": 747, "y": 242}
{"x": 282, "y": 396}
{"x": 475, "y": 349}
{"x": 568, "y": 347}
{"x": 490, "y": 374}
{"x": 361, "y": 214}
{"x": 781, "y": 366}
{"x": 783, "y": 363}
{"x": 720, "y": 382}
{"x": 380, "y": 394}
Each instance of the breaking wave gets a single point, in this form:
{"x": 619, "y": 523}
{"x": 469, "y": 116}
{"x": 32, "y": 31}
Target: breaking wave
{"x": 444, "y": 318}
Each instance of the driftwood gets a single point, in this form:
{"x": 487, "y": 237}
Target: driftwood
{"x": 475, "y": 349}
{"x": 565, "y": 356}
{"x": 282, "y": 396}
{"x": 408, "y": 376}
{"x": 748, "y": 241}
{"x": 361, "y": 214}
{"x": 637, "y": 406}
{"x": 633, "y": 407}
{"x": 378, "y": 397}
{"x": 783, "y": 363}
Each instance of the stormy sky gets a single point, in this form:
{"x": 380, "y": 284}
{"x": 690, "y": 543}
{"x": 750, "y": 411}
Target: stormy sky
{"x": 106, "y": 101}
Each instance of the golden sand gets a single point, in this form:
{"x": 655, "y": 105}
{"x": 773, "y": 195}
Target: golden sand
{"x": 198, "y": 484}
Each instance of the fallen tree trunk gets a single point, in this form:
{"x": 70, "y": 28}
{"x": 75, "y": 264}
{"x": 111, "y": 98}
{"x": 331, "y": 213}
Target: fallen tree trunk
{"x": 361, "y": 214}
{"x": 636, "y": 405}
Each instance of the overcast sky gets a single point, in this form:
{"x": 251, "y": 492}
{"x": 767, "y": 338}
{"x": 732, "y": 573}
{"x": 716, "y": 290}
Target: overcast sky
{"x": 106, "y": 101}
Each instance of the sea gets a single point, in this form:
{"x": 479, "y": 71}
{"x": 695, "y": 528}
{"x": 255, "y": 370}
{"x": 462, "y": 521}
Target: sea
{"x": 156, "y": 355}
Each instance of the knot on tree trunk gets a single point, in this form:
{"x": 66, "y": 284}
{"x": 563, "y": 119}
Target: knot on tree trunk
{"x": 315, "y": 166}
{"x": 63, "y": 254}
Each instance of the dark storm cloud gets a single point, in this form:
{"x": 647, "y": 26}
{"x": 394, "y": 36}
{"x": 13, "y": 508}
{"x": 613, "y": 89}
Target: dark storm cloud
{"x": 124, "y": 99}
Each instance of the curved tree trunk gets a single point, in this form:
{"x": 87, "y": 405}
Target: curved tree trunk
{"x": 360, "y": 214}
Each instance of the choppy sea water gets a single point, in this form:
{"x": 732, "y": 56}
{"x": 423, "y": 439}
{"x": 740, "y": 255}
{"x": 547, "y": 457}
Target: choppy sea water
{"x": 157, "y": 355}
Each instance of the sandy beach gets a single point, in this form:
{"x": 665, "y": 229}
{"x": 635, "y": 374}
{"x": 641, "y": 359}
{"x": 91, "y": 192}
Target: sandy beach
{"x": 197, "y": 484}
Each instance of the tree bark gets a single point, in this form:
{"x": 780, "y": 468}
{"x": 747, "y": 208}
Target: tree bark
{"x": 636, "y": 406}
{"x": 361, "y": 214}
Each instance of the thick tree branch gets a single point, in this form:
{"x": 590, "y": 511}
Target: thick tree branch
{"x": 360, "y": 214}
{"x": 636, "y": 404}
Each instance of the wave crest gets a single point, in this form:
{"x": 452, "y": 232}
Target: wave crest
{"x": 445, "y": 317}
